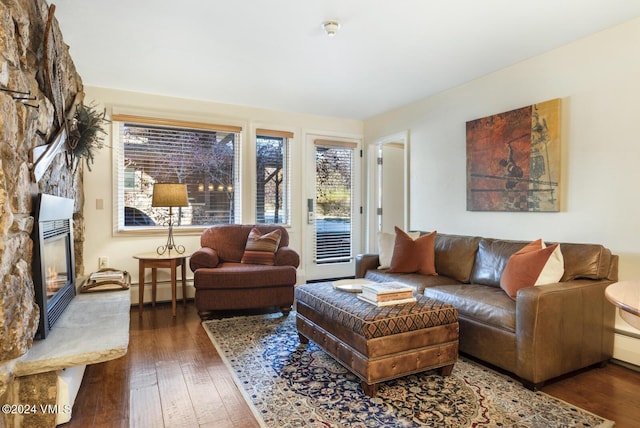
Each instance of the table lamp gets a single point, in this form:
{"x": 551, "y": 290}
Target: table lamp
{"x": 170, "y": 195}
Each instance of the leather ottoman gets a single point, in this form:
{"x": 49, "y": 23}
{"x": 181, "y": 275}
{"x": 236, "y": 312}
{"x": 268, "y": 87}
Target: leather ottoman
{"x": 378, "y": 343}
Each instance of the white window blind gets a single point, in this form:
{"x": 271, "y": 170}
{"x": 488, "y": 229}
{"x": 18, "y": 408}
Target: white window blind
{"x": 273, "y": 202}
{"x": 205, "y": 157}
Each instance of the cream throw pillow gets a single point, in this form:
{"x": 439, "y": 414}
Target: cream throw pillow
{"x": 386, "y": 243}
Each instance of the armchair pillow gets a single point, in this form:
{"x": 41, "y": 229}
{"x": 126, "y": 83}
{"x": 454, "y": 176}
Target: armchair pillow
{"x": 261, "y": 249}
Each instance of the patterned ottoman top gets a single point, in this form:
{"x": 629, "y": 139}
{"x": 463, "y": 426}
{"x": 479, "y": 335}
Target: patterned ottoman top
{"x": 372, "y": 321}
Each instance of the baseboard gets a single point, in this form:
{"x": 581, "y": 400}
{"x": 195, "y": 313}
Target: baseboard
{"x": 163, "y": 290}
{"x": 626, "y": 349}
{"x": 626, "y": 365}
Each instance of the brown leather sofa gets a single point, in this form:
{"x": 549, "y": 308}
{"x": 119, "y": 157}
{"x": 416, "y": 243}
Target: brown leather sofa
{"x": 222, "y": 282}
{"x": 547, "y": 331}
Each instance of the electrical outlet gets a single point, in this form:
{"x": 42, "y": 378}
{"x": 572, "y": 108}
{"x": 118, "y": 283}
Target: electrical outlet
{"x": 103, "y": 262}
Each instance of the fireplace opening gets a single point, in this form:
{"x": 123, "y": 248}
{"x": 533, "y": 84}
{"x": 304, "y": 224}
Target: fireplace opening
{"x": 53, "y": 259}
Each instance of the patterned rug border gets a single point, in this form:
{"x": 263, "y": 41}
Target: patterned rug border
{"x": 275, "y": 316}
{"x": 227, "y": 363}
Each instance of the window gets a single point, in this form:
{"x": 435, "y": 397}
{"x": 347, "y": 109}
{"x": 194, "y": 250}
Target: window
{"x": 204, "y": 157}
{"x": 272, "y": 176}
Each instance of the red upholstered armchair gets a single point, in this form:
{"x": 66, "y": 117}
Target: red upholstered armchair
{"x": 226, "y": 274}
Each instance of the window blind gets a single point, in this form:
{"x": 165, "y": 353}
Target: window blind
{"x": 206, "y": 160}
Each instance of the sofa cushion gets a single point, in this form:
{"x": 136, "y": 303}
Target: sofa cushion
{"x": 534, "y": 264}
{"x": 386, "y": 242}
{"x": 454, "y": 255}
{"x": 591, "y": 261}
{"x": 260, "y": 249}
{"x": 481, "y": 303}
{"x": 413, "y": 279}
{"x": 411, "y": 255}
{"x": 238, "y": 275}
{"x": 491, "y": 259}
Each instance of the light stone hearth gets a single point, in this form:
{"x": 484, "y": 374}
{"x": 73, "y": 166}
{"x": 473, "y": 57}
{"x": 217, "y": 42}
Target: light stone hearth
{"x": 94, "y": 328}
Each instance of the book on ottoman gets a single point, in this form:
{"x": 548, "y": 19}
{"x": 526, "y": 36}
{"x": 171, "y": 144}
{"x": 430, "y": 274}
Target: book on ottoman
{"x": 387, "y": 293}
{"x": 388, "y": 302}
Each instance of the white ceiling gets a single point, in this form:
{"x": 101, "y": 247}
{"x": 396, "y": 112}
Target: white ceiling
{"x": 273, "y": 53}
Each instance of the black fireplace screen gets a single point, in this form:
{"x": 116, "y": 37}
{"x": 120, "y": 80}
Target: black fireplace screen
{"x": 55, "y": 264}
{"x": 53, "y": 259}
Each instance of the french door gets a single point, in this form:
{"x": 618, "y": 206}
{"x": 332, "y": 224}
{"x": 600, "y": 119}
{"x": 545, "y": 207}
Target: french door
{"x": 333, "y": 208}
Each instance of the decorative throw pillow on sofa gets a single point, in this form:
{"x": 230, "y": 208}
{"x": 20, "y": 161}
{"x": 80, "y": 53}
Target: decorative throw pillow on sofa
{"x": 386, "y": 242}
{"x": 534, "y": 264}
{"x": 261, "y": 249}
{"x": 411, "y": 255}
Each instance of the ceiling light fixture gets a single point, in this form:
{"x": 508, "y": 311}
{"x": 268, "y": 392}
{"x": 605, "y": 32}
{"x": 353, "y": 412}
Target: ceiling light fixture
{"x": 331, "y": 27}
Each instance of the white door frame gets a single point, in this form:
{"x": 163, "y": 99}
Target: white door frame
{"x": 313, "y": 271}
{"x": 372, "y": 185}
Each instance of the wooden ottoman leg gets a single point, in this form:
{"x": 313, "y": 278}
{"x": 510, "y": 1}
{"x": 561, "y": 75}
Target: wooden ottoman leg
{"x": 369, "y": 390}
{"x": 303, "y": 339}
{"x": 446, "y": 370}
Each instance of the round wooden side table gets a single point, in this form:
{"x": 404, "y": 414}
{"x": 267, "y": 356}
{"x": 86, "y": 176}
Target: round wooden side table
{"x": 626, "y": 296}
{"x": 156, "y": 261}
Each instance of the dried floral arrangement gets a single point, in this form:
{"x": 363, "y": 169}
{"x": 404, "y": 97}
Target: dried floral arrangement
{"x": 86, "y": 135}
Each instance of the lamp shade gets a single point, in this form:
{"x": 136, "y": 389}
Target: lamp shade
{"x": 169, "y": 195}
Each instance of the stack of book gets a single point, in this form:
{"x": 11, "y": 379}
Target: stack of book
{"x": 387, "y": 293}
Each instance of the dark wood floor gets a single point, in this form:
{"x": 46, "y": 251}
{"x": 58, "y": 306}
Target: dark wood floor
{"x": 172, "y": 376}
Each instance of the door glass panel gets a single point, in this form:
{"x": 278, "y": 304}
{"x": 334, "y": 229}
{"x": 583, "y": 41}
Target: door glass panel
{"x": 334, "y": 201}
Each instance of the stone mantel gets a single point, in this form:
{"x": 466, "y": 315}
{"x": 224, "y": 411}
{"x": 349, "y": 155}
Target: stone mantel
{"x": 94, "y": 328}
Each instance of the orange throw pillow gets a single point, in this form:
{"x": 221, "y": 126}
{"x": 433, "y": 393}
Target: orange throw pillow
{"x": 534, "y": 264}
{"x": 411, "y": 255}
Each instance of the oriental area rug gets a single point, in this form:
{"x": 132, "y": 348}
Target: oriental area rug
{"x": 288, "y": 384}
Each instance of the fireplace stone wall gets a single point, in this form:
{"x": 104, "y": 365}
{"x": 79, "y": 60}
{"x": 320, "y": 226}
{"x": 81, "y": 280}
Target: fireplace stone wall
{"x": 23, "y": 126}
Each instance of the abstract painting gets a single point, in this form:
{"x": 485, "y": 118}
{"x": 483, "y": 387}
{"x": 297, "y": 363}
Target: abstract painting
{"x": 513, "y": 160}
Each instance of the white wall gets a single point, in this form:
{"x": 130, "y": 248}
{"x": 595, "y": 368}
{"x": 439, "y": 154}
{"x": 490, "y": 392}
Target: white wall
{"x": 598, "y": 80}
{"x": 99, "y": 237}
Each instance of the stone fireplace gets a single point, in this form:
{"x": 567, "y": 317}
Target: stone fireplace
{"x": 25, "y": 125}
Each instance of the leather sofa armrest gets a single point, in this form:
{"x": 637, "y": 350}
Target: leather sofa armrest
{"x": 204, "y": 258}
{"x": 286, "y": 256}
{"x": 562, "y": 327}
{"x": 365, "y": 262}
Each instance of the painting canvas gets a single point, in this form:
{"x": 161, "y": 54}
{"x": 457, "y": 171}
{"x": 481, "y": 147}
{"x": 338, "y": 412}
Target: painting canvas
{"x": 513, "y": 160}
